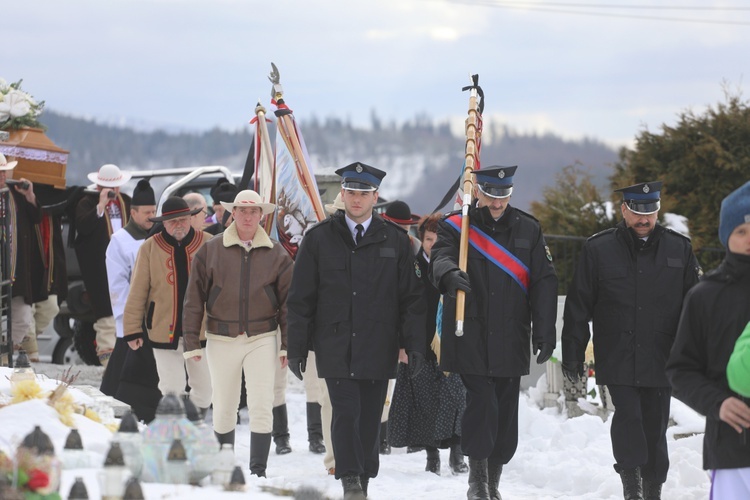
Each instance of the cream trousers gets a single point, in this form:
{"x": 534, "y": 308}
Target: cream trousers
{"x": 171, "y": 366}
{"x": 227, "y": 357}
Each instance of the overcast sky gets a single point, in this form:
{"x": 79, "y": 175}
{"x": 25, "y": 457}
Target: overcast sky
{"x": 203, "y": 63}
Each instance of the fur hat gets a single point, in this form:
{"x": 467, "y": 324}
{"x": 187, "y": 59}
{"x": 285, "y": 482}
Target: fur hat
{"x": 735, "y": 211}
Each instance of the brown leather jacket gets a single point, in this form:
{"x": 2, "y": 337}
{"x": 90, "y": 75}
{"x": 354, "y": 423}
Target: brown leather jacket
{"x": 242, "y": 291}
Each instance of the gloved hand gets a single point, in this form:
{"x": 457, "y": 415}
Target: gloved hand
{"x": 545, "y": 351}
{"x": 416, "y": 363}
{"x": 456, "y": 280}
{"x": 297, "y": 366}
{"x": 572, "y": 370}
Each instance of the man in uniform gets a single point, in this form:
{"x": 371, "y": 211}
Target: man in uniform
{"x": 354, "y": 295}
{"x": 510, "y": 284}
{"x": 630, "y": 280}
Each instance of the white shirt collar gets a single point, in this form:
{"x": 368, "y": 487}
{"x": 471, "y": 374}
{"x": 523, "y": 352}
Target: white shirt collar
{"x": 352, "y": 225}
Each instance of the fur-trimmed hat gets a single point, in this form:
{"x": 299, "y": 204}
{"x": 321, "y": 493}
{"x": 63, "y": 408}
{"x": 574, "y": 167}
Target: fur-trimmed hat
{"x": 735, "y": 211}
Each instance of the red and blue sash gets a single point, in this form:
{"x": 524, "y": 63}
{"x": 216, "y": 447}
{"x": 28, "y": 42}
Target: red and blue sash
{"x": 494, "y": 252}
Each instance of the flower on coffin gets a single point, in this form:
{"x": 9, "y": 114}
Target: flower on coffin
{"x": 65, "y": 406}
{"x": 26, "y": 390}
{"x": 18, "y": 108}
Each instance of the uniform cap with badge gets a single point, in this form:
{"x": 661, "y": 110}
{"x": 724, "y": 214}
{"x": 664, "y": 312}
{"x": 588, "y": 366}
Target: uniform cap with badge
{"x": 496, "y": 181}
{"x": 360, "y": 177}
{"x": 643, "y": 198}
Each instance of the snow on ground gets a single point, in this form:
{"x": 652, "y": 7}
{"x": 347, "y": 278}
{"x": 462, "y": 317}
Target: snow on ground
{"x": 557, "y": 458}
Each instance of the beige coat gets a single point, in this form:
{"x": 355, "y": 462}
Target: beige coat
{"x": 153, "y": 295}
{"x": 241, "y": 290}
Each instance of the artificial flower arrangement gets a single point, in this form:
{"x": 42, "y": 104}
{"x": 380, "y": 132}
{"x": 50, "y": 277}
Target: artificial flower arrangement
{"x": 18, "y": 108}
{"x": 34, "y": 472}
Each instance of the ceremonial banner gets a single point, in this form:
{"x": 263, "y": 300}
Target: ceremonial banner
{"x": 297, "y": 198}
{"x": 265, "y": 171}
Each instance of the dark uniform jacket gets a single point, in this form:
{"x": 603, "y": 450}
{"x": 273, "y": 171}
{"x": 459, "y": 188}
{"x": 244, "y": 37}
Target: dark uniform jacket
{"x": 713, "y": 317}
{"x": 498, "y": 313}
{"x": 351, "y": 302}
{"x": 634, "y": 298}
{"x": 25, "y": 284}
{"x": 92, "y": 235}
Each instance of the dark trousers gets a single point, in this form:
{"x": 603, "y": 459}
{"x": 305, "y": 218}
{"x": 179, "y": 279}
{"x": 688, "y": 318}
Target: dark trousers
{"x": 639, "y": 428}
{"x": 355, "y": 428}
{"x": 489, "y": 428}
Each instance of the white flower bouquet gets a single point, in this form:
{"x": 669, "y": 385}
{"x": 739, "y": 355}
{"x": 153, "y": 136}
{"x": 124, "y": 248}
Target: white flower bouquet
{"x": 18, "y": 108}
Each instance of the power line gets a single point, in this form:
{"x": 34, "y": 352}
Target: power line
{"x": 523, "y": 4}
{"x": 547, "y": 7}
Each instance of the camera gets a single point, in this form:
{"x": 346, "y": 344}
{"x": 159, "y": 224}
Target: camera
{"x": 111, "y": 195}
{"x": 14, "y": 182}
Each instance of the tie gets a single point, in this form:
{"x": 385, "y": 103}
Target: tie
{"x": 360, "y": 229}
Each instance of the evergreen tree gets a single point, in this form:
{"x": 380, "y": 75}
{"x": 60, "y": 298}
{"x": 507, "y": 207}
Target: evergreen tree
{"x": 700, "y": 160}
{"x": 570, "y": 212}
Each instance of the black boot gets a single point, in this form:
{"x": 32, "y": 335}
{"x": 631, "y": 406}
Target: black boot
{"x": 651, "y": 490}
{"x": 352, "y": 488}
{"x": 364, "y": 480}
{"x": 315, "y": 429}
{"x": 281, "y": 430}
{"x": 433, "y": 460}
{"x": 478, "y": 489}
{"x": 631, "y": 483}
{"x": 456, "y": 460}
{"x": 385, "y": 448}
{"x": 227, "y": 437}
{"x": 494, "y": 470}
{"x": 260, "y": 445}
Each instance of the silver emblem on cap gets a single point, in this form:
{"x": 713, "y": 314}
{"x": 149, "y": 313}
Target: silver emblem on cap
{"x": 646, "y": 189}
{"x": 359, "y": 168}
{"x": 501, "y": 174}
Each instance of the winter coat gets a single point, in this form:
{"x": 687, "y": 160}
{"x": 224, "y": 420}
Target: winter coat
{"x": 498, "y": 314}
{"x": 715, "y": 313}
{"x": 242, "y": 291}
{"x": 634, "y": 298}
{"x": 92, "y": 234}
{"x": 157, "y": 288}
{"x": 350, "y": 302}
{"x": 738, "y": 367}
{"x": 24, "y": 255}
{"x": 432, "y": 300}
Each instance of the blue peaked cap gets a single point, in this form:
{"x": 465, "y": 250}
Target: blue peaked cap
{"x": 643, "y": 198}
{"x": 360, "y": 177}
{"x": 496, "y": 181}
